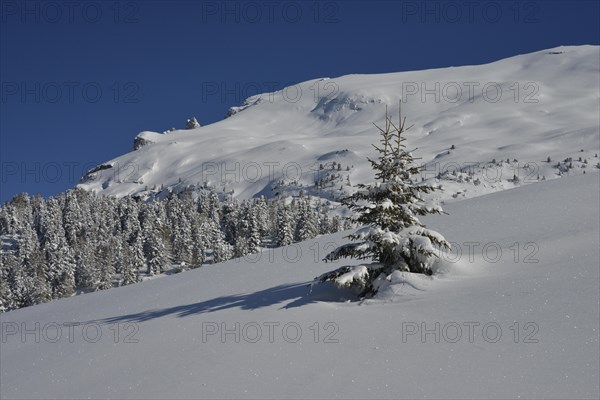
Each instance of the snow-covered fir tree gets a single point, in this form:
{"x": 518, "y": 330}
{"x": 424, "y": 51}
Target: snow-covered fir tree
{"x": 261, "y": 214}
{"x": 324, "y": 222}
{"x": 391, "y": 235}
{"x": 7, "y": 262}
{"x": 72, "y": 217}
{"x": 285, "y": 230}
{"x": 199, "y": 241}
{"x": 131, "y": 262}
{"x": 336, "y": 224}
{"x": 253, "y": 234}
{"x": 248, "y": 239}
{"x": 230, "y": 217}
{"x": 105, "y": 260}
{"x": 154, "y": 251}
{"x": 178, "y": 212}
{"x": 221, "y": 250}
{"x": 307, "y": 227}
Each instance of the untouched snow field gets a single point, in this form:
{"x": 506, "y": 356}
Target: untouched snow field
{"x": 524, "y": 108}
{"x": 524, "y": 326}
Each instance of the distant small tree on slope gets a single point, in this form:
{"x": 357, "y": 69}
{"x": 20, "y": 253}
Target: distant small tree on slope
{"x": 392, "y": 235}
{"x": 192, "y": 123}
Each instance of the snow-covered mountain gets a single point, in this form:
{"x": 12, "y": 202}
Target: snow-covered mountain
{"x": 488, "y": 122}
{"x": 516, "y": 317}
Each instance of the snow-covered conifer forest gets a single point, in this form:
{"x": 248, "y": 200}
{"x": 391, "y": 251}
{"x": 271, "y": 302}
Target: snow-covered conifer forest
{"x": 81, "y": 242}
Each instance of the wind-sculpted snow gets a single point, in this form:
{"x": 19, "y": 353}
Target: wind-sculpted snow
{"x": 475, "y": 129}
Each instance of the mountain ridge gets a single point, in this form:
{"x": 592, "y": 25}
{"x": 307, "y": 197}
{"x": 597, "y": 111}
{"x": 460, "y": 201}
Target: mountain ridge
{"x": 524, "y": 108}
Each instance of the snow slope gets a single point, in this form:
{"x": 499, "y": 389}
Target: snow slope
{"x": 523, "y": 108}
{"x": 555, "y": 301}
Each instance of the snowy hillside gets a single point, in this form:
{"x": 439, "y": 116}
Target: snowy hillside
{"x": 541, "y": 291}
{"x": 517, "y": 112}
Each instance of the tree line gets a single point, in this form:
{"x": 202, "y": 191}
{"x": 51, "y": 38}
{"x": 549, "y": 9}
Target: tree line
{"x": 78, "y": 241}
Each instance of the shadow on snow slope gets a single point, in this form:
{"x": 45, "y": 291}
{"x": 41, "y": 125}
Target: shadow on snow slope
{"x": 296, "y": 295}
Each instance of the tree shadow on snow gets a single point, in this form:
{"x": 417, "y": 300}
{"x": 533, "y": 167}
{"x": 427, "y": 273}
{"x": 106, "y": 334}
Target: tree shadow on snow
{"x": 296, "y": 295}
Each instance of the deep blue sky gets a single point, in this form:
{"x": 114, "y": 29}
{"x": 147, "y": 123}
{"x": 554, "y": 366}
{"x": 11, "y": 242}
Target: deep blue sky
{"x": 154, "y": 60}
